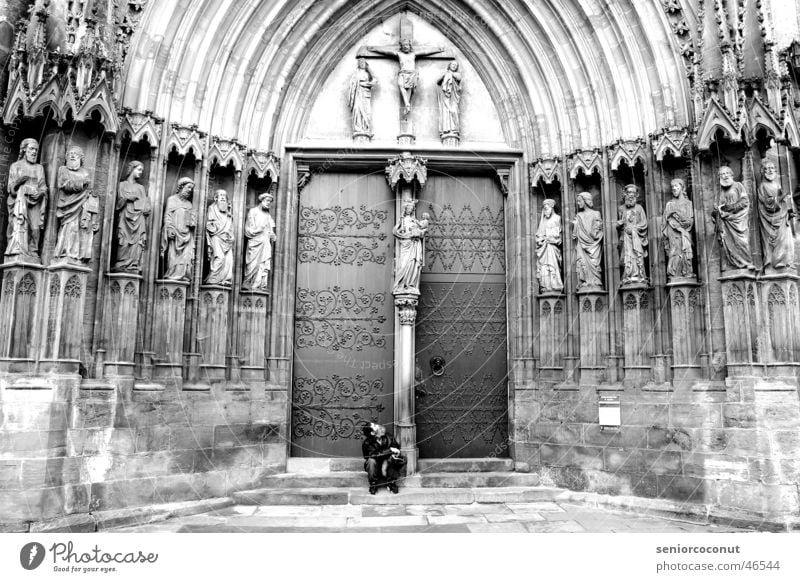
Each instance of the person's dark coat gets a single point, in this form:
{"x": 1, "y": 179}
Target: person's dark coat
{"x": 377, "y": 448}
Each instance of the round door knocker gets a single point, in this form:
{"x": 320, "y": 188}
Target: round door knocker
{"x": 437, "y": 365}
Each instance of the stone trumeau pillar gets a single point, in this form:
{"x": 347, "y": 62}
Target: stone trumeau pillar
{"x": 407, "y": 175}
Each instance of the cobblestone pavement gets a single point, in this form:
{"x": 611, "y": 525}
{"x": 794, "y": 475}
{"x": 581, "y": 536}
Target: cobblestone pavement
{"x": 536, "y": 517}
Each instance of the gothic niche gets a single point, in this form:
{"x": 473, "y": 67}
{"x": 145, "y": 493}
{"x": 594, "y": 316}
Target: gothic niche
{"x": 176, "y": 234}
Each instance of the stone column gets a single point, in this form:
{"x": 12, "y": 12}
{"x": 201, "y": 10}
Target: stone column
{"x": 404, "y": 350}
{"x": 169, "y": 316}
{"x": 122, "y": 300}
{"x": 406, "y": 174}
{"x": 63, "y": 318}
{"x": 593, "y": 318}
{"x": 637, "y": 330}
{"x": 686, "y": 310}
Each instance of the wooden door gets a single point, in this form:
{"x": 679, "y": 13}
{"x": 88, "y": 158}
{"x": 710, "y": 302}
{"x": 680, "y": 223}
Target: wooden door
{"x": 344, "y": 315}
{"x": 462, "y": 402}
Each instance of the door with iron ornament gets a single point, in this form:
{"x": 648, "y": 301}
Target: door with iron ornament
{"x": 461, "y": 392}
{"x": 344, "y": 313}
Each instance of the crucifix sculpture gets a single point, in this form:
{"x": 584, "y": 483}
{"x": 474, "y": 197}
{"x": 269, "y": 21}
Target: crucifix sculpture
{"x": 407, "y": 54}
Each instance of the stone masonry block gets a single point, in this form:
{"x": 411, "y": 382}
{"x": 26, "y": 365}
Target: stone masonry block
{"x": 695, "y": 415}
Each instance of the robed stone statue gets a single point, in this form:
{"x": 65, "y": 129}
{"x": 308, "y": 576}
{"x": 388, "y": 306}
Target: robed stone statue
{"x": 411, "y": 235}
{"x": 449, "y": 99}
{"x": 219, "y": 241}
{"x": 133, "y": 207}
{"x": 548, "y": 249}
{"x": 359, "y": 98}
{"x": 776, "y": 219}
{"x": 632, "y": 225}
{"x": 77, "y": 209}
{"x": 588, "y": 232}
{"x": 259, "y": 229}
{"x": 177, "y": 235}
{"x": 677, "y": 224}
{"x": 732, "y": 218}
{"x": 27, "y": 203}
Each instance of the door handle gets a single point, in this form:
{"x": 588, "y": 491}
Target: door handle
{"x": 437, "y": 365}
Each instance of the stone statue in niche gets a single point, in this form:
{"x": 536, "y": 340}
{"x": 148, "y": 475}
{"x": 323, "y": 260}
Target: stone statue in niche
{"x": 548, "y": 249}
{"x": 632, "y": 225}
{"x": 219, "y": 241}
{"x": 408, "y": 75}
{"x": 732, "y": 220}
{"x": 259, "y": 228}
{"x": 411, "y": 234}
{"x": 588, "y": 232}
{"x": 133, "y": 207}
{"x": 449, "y": 99}
{"x": 677, "y": 224}
{"x": 177, "y": 235}
{"x": 359, "y": 98}
{"x": 776, "y": 219}
{"x": 77, "y": 209}
{"x": 27, "y": 203}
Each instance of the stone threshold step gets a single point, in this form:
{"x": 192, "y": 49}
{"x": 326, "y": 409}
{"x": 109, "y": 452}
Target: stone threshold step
{"x": 338, "y": 464}
{"x": 424, "y": 480}
{"x": 406, "y": 496}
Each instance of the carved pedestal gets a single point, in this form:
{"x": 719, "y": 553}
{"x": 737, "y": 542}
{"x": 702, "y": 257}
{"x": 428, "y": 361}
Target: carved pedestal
{"x": 404, "y": 349}
{"x": 212, "y": 335}
{"x": 780, "y": 314}
{"x": 62, "y": 334}
{"x": 552, "y": 337}
{"x": 169, "y": 311}
{"x": 122, "y": 310}
{"x": 593, "y": 318}
{"x": 742, "y": 322}
{"x": 406, "y": 135}
{"x": 686, "y": 308}
{"x": 637, "y": 329}
{"x": 251, "y": 338}
{"x": 19, "y": 337}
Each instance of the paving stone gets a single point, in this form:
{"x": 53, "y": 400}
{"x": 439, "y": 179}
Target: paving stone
{"x": 342, "y": 510}
{"x": 399, "y": 520}
{"x": 290, "y": 510}
{"x": 514, "y": 494}
{"x": 236, "y": 510}
{"x": 413, "y": 497}
{"x": 496, "y": 528}
{"x": 568, "y": 526}
{"x": 476, "y": 509}
{"x": 451, "y": 519}
{"x": 534, "y": 507}
{"x": 425, "y": 509}
{"x": 289, "y": 521}
{"x": 383, "y": 510}
{"x": 464, "y": 465}
{"x": 509, "y": 517}
{"x": 80, "y": 523}
{"x": 333, "y": 496}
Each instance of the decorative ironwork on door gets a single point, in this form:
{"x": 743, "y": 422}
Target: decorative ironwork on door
{"x": 344, "y": 316}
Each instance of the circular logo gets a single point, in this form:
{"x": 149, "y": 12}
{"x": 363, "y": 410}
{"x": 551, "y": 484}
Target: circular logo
{"x": 31, "y": 555}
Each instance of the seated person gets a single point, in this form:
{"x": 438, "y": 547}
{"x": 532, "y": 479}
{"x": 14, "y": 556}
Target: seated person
{"x": 382, "y": 459}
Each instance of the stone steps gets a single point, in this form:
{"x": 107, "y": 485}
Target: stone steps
{"x": 406, "y": 496}
{"x": 339, "y": 464}
{"x": 422, "y": 480}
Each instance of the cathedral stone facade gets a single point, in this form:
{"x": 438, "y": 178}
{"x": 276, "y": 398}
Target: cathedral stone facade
{"x": 561, "y": 233}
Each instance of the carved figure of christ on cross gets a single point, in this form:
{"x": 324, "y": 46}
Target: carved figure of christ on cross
{"x": 407, "y": 55}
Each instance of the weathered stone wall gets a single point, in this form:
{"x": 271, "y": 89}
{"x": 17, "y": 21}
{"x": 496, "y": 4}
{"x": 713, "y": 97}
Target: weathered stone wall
{"x": 728, "y": 445}
{"x": 71, "y": 446}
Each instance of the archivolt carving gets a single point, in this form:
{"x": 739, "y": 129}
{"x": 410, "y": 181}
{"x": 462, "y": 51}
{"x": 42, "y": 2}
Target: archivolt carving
{"x": 673, "y": 140}
{"x": 341, "y": 235}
